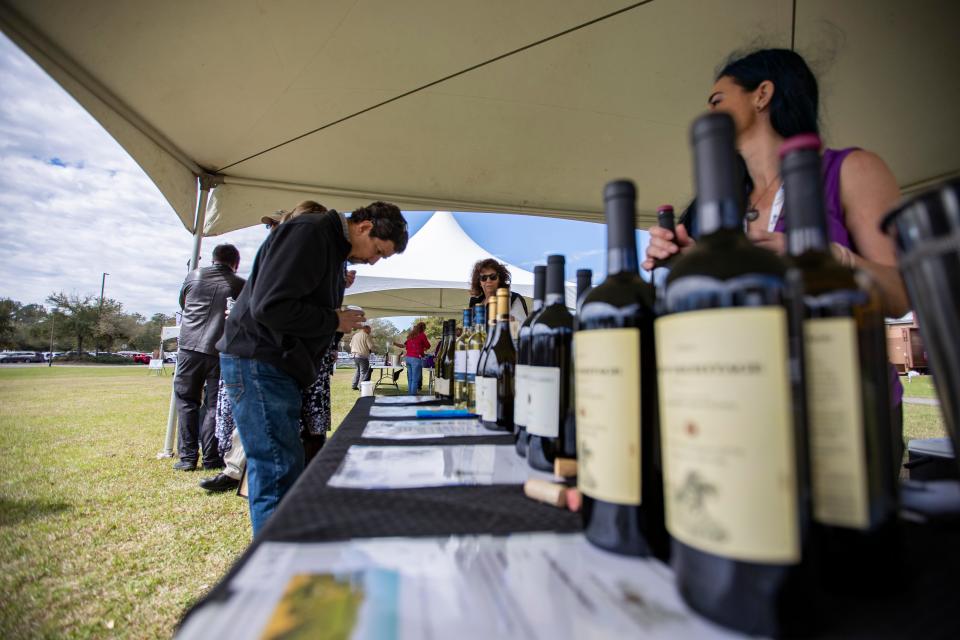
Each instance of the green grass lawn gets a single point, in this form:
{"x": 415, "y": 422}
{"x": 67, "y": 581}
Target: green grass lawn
{"x": 921, "y": 387}
{"x": 98, "y": 538}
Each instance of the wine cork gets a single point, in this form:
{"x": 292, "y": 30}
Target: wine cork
{"x": 544, "y": 491}
{"x": 565, "y": 467}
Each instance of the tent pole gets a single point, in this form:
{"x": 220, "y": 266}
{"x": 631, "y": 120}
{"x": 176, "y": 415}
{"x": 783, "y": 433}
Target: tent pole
{"x": 204, "y": 186}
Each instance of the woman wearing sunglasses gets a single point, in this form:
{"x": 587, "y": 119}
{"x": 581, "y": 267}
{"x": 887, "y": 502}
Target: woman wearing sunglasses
{"x": 488, "y": 276}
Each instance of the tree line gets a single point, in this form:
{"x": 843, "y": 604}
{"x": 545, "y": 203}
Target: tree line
{"x": 77, "y": 322}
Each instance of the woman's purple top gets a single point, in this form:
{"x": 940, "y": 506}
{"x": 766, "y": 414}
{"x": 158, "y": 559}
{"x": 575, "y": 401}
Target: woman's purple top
{"x": 837, "y": 229}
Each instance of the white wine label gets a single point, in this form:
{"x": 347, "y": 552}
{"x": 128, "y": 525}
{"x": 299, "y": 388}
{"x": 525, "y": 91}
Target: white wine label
{"x": 607, "y": 384}
{"x": 520, "y": 395}
{"x": 730, "y": 478}
{"x": 460, "y": 365}
{"x": 473, "y": 359}
{"x": 837, "y": 451}
{"x": 543, "y": 401}
{"x": 442, "y": 386}
{"x": 487, "y": 398}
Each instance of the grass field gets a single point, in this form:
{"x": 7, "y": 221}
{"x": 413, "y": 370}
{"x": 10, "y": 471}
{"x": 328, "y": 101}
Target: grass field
{"x": 98, "y": 538}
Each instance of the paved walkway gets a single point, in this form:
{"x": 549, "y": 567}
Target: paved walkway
{"x": 933, "y": 402}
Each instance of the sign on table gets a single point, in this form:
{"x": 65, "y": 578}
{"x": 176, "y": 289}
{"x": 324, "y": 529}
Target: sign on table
{"x": 419, "y": 429}
{"x": 405, "y": 412}
{"x": 404, "y": 399}
{"x": 540, "y": 586}
{"x": 407, "y": 467}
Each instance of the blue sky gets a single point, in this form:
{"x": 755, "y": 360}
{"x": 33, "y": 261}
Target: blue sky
{"x": 74, "y": 205}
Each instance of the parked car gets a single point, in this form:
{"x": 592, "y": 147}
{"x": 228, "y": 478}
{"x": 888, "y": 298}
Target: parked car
{"x": 21, "y": 356}
{"x": 141, "y": 358}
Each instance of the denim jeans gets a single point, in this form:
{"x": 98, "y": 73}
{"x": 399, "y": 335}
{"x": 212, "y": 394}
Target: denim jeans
{"x": 362, "y": 373}
{"x": 414, "y": 374}
{"x": 266, "y": 408}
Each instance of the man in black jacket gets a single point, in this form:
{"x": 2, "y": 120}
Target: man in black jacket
{"x": 203, "y": 299}
{"x": 282, "y": 325}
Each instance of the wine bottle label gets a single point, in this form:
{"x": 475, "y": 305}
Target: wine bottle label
{"x": 460, "y": 366}
{"x": 837, "y": 450}
{"x": 487, "y": 398}
{"x": 520, "y": 395}
{"x": 543, "y": 401}
{"x": 473, "y": 359}
{"x": 607, "y": 383}
{"x": 730, "y": 478}
{"x": 442, "y": 386}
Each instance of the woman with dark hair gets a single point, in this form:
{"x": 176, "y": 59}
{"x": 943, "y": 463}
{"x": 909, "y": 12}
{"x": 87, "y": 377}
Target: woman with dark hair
{"x": 772, "y": 95}
{"x": 488, "y": 276}
{"x": 416, "y": 346}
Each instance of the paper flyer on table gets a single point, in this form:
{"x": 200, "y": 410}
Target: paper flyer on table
{"x": 539, "y": 586}
{"x": 405, "y": 412}
{"x": 367, "y": 467}
{"x": 418, "y": 429}
{"x": 404, "y": 399}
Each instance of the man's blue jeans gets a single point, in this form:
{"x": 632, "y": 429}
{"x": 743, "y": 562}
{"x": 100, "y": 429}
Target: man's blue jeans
{"x": 414, "y": 375}
{"x": 266, "y": 408}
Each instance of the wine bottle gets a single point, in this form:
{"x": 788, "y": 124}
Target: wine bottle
{"x": 499, "y": 368}
{"x": 584, "y": 284}
{"x": 661, "y": 266}
{"x": 439, "y": 383}
{"x": 618, "y": 441}
{"x": 548, "y": 378}
{"x": 853, "y": 470}
{"x": 449, "y": 361}
{"x": 480, "y": 385}
{"x": 474, "y": 345}
{"x": 460, "y": 362}
{"x": 521, "y": 399}
{"x": 733, "y": 435}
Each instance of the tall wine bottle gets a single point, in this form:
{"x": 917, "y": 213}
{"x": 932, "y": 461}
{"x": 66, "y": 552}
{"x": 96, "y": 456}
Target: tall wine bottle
{"x": 449, "y": 361}
{"x": 460, "y": 361}
{"x": 521, "y": 398}
{"x": 618, "y": 441}
{"x": 584, "y": 284}
{"x": 498, "y": 373}
{"x": 440, "y": 384}
{"x": 474, "y": 345}
{"x": 480, "y": 386}
{"x": 853, "y": 470}
{"x": 736, "y": 475}
{"x": 548, "y": 378}
{"x": 661, "y": 267}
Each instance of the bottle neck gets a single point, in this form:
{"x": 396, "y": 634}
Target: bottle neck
{"x": 803, "y": 199}
{"x": 621, "y": 238}
{"x": 553, "y": 298}
{"x": 537, "y": 304}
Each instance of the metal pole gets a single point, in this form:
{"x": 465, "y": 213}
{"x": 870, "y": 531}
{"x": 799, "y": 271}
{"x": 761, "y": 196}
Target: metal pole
{"x": 204, "y": 186}
{"x": 53, "y": 323}
{"x": 103, "y": 282}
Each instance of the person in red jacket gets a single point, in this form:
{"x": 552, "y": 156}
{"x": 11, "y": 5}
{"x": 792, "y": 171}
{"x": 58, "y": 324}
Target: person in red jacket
{"x": 416, "y": 345}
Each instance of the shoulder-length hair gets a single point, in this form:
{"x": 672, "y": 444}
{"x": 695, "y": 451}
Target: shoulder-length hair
{"x": 307, "y": 206}
{"x": 489, "y": 263}
{"x": 416, "y": 330}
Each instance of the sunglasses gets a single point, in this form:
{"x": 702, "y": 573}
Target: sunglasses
{"x": 492, "y": 276}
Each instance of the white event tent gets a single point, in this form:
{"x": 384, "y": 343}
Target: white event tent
{"x": 432, "y": 276}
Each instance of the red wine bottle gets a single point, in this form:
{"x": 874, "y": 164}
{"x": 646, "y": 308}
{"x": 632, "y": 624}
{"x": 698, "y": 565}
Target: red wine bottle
{"x": 618, "y": 442}
{"x": 521, "y": 397}
{"x": 548, "y": 378}
{"x": 498, "y": 373}
{"x": 736, "y": 475}
{"x": 852, "y": 461}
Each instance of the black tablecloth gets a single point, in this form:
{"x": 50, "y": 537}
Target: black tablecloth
{"x": 927, "y": 604}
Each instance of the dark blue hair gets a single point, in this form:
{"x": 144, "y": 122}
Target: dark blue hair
{"x": 794, "y": 107}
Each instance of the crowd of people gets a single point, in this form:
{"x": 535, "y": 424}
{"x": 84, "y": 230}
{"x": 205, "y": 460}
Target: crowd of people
{"x": 279, "y": 341}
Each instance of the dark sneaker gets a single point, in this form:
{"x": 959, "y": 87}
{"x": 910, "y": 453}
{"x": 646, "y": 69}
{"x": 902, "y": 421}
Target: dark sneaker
{"x": 185, "y": 465}
{"x": 218, "y": 483}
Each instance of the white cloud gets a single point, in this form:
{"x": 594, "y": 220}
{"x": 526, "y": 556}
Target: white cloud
{"x": 73, "y": 204}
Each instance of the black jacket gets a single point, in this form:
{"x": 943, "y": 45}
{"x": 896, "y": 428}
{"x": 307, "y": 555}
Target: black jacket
{"x": 203, "y": 299}
{"x": 287, "y": 313}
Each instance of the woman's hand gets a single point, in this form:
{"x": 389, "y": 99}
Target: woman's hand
{"x": 664, "y": 244}
{"x": 775, "y": 241}
{"x": 350, "y": 319}
{"x": 349, "y": 277}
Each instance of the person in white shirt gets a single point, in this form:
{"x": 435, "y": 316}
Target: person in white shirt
{"x": 360, "y": 347}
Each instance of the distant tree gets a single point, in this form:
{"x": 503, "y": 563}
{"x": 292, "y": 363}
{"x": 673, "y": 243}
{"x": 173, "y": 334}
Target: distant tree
{"x": 8, "y": 315}
{"x": 81, "y": 315}
{"x": 148, "y": 335}
{"x": 383, "y": 332}
{"x": 114, "y": 326}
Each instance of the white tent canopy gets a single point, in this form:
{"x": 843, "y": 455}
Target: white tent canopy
{"x": 472, "y": 106}
{"x": 432, "y": 277}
